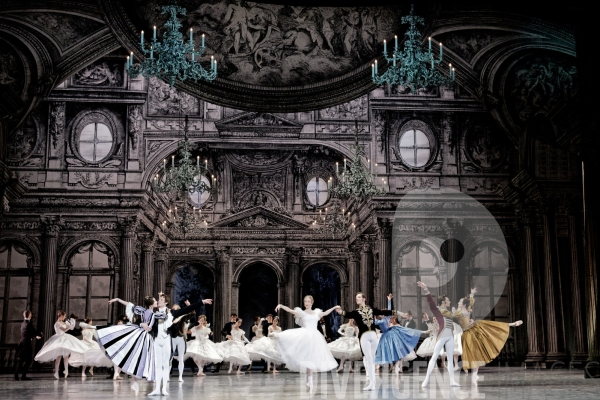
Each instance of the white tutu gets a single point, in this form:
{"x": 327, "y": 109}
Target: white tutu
{"x": 457, "y": 341}
{"x": 61, "y": 344}
{"x": 264, "y": 348}
{"x": 202, "y": 349}
{"x": 94, "y": 356}
{"x": 234, "y": 351}
{"x": 426, "y": 348}
{"x": 347, "y": 348}
{"x": 410, "y": 356}
{"x": 305, "y": 348}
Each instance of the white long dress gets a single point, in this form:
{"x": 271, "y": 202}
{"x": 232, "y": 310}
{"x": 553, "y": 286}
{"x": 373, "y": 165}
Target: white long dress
{"x": 202, "y": 348}
{"x": 257, "y": 329}
{"x": 347, "y": 346}
{"x": 305, "y": 347}
{"x": 265, "y": 348}
{"x": 94, "y": 356}
{"x": 233, "y": 350}
{"x": 61, "y": 344}
{"x": 426, "y": 348}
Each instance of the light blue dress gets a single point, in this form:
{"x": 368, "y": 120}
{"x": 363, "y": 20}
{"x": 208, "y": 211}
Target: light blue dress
{"x": 396, "y": 342}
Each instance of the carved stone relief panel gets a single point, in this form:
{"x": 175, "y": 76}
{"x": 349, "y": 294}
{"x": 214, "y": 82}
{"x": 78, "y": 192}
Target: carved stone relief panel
{"x": 467, "y": 43}
{"x": 538, "y": 84}
{"x": 164, "y": 100}
{"x": 258, "y": 189}
{"x": 12, "y": 70}
{"x": 103, "y": 73}
{"x": 22, "y": 144}
{"x": 357, "y": 109}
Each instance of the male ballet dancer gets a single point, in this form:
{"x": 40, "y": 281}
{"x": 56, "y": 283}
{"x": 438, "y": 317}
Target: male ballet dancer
{"x": 24, "y": 349}
{"x": 364, "y": 318}
{"x": 445, "y": 334}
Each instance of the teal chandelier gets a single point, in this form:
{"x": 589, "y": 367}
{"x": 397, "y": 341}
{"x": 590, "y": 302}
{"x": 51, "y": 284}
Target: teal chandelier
{"x": 168, "y": 60}
{"x": 185, "y": 177}
{"x": 412, "y": 67}
{"x": 355, "y": 181}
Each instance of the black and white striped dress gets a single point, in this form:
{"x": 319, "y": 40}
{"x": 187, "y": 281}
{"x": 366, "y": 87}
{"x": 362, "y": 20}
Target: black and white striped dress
{"x": 130, "y": 346}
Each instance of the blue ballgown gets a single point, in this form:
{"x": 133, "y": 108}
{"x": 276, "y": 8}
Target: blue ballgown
{"x": 395, "y": 343}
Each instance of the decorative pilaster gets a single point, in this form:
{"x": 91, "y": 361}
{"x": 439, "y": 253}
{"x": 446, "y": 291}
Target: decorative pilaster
{"x": 223, "y": 297}
{"x": 127, "y": 285}
{"x": 384, "y": 238}
{"x": 147, "y": 267}
{"x": 52, "y": 226}
{"x": 554, "y": 328}
{"x": 161, "y": 258}
{"x": 294, "y": 281}
{"x": 535, "y": 334}
{"x": 353, "y": 277}
{"x": 366, "y": 270}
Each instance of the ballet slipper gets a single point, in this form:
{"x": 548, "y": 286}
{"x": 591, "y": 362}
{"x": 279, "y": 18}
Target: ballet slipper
{"x": 425, "y": 383}
{"x": 456, "y": 368}
{"x": 351, "y": 370}
{"x": 155, "y": 392}
{"x": 368, "y": 388}
{"x": 180, "y": 379}
{"x": 275, "y": 371}
{"x": 165, "y": 392}
{"x": 340, "y": 368}
{"x": 516, "y": 323}
{"x": 135, "y": 386}
{"x": 454, "y": 384}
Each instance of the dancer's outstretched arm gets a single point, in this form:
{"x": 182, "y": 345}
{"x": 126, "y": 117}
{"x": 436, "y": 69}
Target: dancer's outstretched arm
{"x": 284, "y": 308}
{"x": 119, "y": 300}
{"x": 324, "y": 313}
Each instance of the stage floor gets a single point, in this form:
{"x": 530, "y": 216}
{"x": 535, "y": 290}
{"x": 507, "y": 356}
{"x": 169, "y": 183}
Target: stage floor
{"x": 494, "y": 383}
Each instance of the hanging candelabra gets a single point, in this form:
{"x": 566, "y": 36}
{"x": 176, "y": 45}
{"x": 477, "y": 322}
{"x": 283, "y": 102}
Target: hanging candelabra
{"x": 355, "y": 181}
{"x": 412, "y": 66}
{"x": 168, "y": 60}
{"x": 334, "y": 221}
{"x": 185, "y": 177}
{"x": 185, "y": 219}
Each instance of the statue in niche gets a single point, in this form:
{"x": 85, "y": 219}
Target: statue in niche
{"x": 57, "y": 122}
{"x": 135, "y": 125}
{"x": 484, "y": 148}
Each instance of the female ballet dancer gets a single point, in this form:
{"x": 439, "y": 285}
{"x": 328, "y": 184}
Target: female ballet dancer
{"x": 178, "y": 333}
{"x": 61, "y": 344}
{"x": 445, "y": 336}
{"x": 426, "y": 348}
{"x": 396, "y": 342}
{"x": 364, "y": 318}
{"x": 233, "y": 349}
{"x": 346, "y": 347}
{"x": 202, "y": 350}
{"x": 131, "y": 346}
{"x": 94, "y": 356}
{"x": 266, "y": 347}
{"x": 482, "y": 340}
{"x": 305, "y": 349}
{"x": 257, "y": 334}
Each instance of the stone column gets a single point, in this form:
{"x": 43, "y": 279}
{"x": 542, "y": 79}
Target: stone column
{"x": 161, "y": 257}
{"x": 534, "y": 322}
{"x": 580, "y": 352}
{"x": 49, "y": 274}
{"x": 353, "y": 277}
{"x": 554, "y": 328}
{"x": 384, "y": 238}
{"x": 366, "y": 271}
{"x": 294, "y": 283}
{"x": 127, "y": 283}
{"x": 147, "y": 269}
{"x": 223, "y": 299}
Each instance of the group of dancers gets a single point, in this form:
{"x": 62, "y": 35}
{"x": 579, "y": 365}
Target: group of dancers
{"x": 144, "y": 346}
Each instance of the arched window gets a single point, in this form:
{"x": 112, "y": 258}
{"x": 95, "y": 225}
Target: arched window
{"x": 488, "y": 273}
{"x": 95, "y": 142}
{"x": 14, "y": 290}
{"x": 416, "y": 262}
{"x": 415, "y": 148}
{"x": 90, "y": 282}
{"x": 317, "y": 191}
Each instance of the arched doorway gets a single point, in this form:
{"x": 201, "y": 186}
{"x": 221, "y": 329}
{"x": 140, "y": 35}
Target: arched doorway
{"x": 193, "y": 282}
{"x": 322, "y": 282}
{"x": 257, "y": 293}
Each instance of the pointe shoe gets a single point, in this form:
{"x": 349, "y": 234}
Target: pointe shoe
{"x": 425, "y": 383}
{"x": 180, "y": 379}
{"x": 351, "y": 370}
{"x": 155, "y": 392}
{"x": 340, "y": 368}
{"x": 456, "y": 368}
{"x": 66, "y": 374}
{"x": 454, "y": 384}
{"x": 91, "y": 372}
{"x": 165, "y": 392}
{"x": 368, "y": 388}
{"x": 135, "y": 387}
{"x": 275, "y": 371}
{"x": 474, "y": 379}
{"x": 56, "y": 375}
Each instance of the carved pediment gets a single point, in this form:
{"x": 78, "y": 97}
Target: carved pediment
{"x": 258, "y": 124}
{"x": 259, "y": 217}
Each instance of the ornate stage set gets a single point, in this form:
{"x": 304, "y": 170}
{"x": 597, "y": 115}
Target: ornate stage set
{"x": 272, "y": 165}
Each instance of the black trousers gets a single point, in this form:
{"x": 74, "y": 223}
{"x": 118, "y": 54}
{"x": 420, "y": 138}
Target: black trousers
{"x": 23, "y": 359}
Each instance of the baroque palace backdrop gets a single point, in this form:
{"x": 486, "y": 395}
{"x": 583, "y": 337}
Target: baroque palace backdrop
{"x": 82, "y": 142}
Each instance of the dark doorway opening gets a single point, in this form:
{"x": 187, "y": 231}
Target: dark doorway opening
{"x": 257, "y": 294}
{"x": 322, "y": 282}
